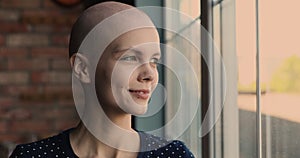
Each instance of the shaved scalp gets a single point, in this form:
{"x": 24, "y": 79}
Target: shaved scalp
{"x": 90, "y": 18}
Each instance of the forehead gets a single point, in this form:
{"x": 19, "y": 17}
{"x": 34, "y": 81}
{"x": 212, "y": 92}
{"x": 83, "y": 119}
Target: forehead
{"x": 137, "y": 38}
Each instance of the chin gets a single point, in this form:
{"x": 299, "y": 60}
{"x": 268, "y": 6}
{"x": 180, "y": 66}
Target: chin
{"x": 141, "y": 112}
{"x": 134, "y": 106}
{"x": 137, "y": 110}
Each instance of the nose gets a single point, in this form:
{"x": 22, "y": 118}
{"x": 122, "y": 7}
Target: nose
{"x": 146, "y": 73}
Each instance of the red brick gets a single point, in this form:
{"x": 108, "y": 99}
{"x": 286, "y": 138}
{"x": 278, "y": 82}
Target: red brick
{"x": 66, "y": 103}
{"x": 47, "y": 134}
{"x": 21, "y": 40}
{"x": 1, "y": 40}
{"x": 63, "y": 97}
{"x": 61, "y": 29}
{"x": 4, "y": 115}
{"x": 20, "y": 4}
{"x": 48, "y": 17}
{"x": 6, "y": 102}
{"x": 16, "y": 90}
{"x": 20, "y": 114}
{"x": 51, "y": 77}
{"x": 66, "y": 98}
{"x": 59, "y": 113}
{"x": 35, "y": 103}
{"x": 44, "y": 97}
{"x": 8, "y": 27}
{"x": 50, "y": 4}
{"x": 66, "y": 124}
{"x": 11, "y": 137}
{"x": 60, "y": 39}
{"x": 27, "y": 64}
{"x": 9, "y": 15}
{"x": 41, "y": 13}
{"x": 61, "y": 64}
{"x": 13, "y": 52}
{"x": 50, "y": 52}
{"x": 3, "y": 126}
{"x": 58, "y": 88}
{"x": 26, "y": 137}
{"x": 3, "y": 65}
{"x": 69, "y": 113}
{"x": 44, "y": 113}
{"x": 30, "y": 126}
{"x": 14, "y": 78}
{"x": 37, "y": 98}
{"x": 42, "y": 28}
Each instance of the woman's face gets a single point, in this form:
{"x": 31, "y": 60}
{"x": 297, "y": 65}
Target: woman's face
{"x": 127, "y": 73}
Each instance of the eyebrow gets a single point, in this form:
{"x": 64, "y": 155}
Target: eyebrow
{"x": 133, "y": 49}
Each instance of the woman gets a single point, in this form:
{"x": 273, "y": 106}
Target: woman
{"x": 123, "y": 46}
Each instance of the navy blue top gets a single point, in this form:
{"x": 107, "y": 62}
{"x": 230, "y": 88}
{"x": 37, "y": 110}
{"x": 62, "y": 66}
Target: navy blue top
{"x": 59, "y": 146}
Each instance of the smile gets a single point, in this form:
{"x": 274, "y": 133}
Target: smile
{"x": 140, "y": 94}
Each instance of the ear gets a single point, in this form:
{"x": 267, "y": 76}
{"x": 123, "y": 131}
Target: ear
{"x": 80, "y": 66}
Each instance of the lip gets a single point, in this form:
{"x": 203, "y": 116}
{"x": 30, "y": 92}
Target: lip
{"x": 140, "y": 93}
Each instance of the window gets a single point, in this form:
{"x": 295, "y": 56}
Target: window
{"x": 180, "y": 82}
{"x": 232, "y": 25}
{"x": 279, "y": 58}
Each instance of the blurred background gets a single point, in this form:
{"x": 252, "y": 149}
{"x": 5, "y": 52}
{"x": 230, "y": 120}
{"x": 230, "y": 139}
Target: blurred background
{"x": 35, "y": 84}
{"x": 35, "y": 75}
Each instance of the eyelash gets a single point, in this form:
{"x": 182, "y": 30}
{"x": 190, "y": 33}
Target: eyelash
{"x": 156, "y": 60}
{"x": 134, "y": 58}
{"x": 129, "y": 58}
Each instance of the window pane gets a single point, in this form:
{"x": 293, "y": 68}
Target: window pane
{"x": 281, "y": 77}
{"x": 176, "y": 42}
{"x": 246, "y": 49}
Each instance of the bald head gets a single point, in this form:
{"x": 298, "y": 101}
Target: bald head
{"x": 92, "y": 17}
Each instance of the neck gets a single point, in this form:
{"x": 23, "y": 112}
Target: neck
{"x": 120, "y": 119}
{"x": 104, "y": 134}
{"x": 86, "y": 144}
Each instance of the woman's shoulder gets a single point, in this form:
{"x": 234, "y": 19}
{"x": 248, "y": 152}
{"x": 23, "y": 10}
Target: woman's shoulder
{"x": 53, "y": 146}
{"x": 154, "y": 146}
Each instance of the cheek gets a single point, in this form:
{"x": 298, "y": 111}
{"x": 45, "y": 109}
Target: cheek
{"x": 103, "y": 76}
{"x": 132, "y": 79}
{"x": 156, "y": 77}
{"x": 155, "y": 80}
{"x": 102, "y": 83}
{"x": 122, "y": 75}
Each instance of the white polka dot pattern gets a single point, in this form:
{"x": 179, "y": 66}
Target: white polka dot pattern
{"x": 156, "y": 147}
{"x": 53, "y": 147}
{"x": 59, "y": 147}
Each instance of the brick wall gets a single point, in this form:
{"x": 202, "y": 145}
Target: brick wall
{"x": 35, "y": 76}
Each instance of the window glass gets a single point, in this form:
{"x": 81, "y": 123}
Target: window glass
{"x": 280, "y": 78}
{"x": 246, "y": 49}
{"x": 188, "y": 27}
{"x": 280, "y": 71}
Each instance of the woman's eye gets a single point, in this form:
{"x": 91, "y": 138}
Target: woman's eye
{"x": 129, "y": 58}
{"x": 154, "y": 60}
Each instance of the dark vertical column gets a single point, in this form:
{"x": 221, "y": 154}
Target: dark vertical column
{"x": 206, "y": 22}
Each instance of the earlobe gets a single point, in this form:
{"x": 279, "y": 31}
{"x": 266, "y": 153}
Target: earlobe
{"x": 79, "y": 64}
